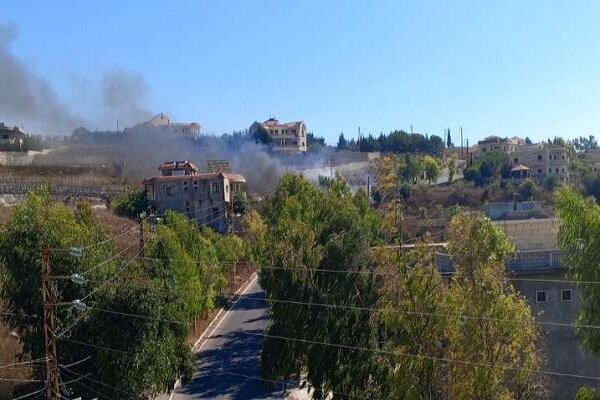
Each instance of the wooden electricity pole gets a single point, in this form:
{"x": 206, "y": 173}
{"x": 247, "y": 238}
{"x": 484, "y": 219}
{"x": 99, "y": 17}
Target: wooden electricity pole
{"x": 52, "y": 388}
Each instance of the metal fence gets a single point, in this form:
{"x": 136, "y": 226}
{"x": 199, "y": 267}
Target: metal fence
{"x": 59, "y": 190}
{"x": 523, "y": 262}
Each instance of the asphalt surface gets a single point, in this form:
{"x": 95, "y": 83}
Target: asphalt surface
{"x": 228, "y": 361}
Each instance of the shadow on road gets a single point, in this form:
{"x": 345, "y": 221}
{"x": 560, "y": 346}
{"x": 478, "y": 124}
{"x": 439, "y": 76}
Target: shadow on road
{"x": 228, "y": 366}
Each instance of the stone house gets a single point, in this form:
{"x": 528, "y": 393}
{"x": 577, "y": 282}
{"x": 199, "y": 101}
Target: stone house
{"x": 288, "y": 137}
{"x": 204, "y": 197}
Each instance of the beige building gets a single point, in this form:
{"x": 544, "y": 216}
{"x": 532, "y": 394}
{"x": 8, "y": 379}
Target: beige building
{"x": 286, "y": 137}
{"x": 531, "y": 234}
{"x": 542, "y": 160}
{"x": 162, "y": 123}
{"x": 504, "y": 145}
{"x": 205, "y": 197}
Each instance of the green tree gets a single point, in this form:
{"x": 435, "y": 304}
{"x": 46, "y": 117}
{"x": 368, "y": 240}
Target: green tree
{"x": 586, "y": 394}
{"x": 410, "y": 168}
{"x": 38, "y": 222}
{"x": 130, "y": 204}
{"x": 579, "y": 235}
{"x": 411, "y": 320}
{"x": 342, "y": 143}
{"x": 178, "y": 282}
{"x": 509, "y": 337}
{"x": 452, "y": 170}
{"x": 308, "y": 230}
{"x": 387, "y": 177}
{"x": 240, "y": 203}
{"x": 528, "y": 190}
{"x": 431, "y": 167}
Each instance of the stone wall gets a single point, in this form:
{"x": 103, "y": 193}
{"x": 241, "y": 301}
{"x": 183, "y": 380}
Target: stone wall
{"x": 531, "y": 234}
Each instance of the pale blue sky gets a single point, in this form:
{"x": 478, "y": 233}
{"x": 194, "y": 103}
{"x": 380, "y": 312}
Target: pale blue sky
{"x": 527, "y": 68}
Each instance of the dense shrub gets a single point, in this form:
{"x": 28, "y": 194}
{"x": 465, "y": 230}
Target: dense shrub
{"x": 130, "y": 204}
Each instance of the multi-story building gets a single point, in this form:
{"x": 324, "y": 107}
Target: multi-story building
{"x": 504, "y": 145}
{"x": 205, "y": 197}
{"x": 536, "y": 270}
{"x": 541, "y": 160}
{"x": 161, "y": 123}
{"x": 12, "y": 139}
{"x": 288, "y": 137}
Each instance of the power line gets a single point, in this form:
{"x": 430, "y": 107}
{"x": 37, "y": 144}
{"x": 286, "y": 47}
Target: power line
{"x": 396, "y": 311}
{"x": 39, "y": 360}
{"x": 30, "y": 394}
{"x": 95, "y": 346}
{"x": 228, "y": 372}
{"x": 88, "y": 387}
{"x": 99, "y": 382}
{"x": 107, "y": 281}
{"x": 409, "y": 355}
{"x": 372, "y": 310}
{"x": 91, "y": 246}
{"x": 21, "y": 380}
{"x": 125, "y": 314}
{"x": 108, "y": 260}
{"x": 392, "y": 274}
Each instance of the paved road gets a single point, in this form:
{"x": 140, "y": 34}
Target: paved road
{"x": 228, "y": 353}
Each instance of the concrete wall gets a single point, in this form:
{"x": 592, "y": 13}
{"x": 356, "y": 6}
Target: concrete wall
{"x": 561, "y": 346}
{"x": 531, "y": 234}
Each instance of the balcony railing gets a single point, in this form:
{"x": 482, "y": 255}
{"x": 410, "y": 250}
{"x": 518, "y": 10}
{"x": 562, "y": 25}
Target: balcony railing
{"x": 523, "y": 262}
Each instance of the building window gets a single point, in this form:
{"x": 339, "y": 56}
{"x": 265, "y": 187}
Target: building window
{"x": 550, "y": 170}
{"x": 215, "y": 188}
{"x": 539, "y": 171}
{"x": 539, "y": 157}
{"x": 566, "y": 295}
{"x": 516, "y": 160}
{"x": 169, "y": 191}
{"x": 557, "y": 170}
{"x": 541, "y": 296}
{"x": 215, "y": 211}
{"x": 563, "y": 157}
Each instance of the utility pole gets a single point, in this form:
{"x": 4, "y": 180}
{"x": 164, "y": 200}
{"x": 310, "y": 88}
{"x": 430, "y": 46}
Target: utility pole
{"x": 462, "y": 153}
{"x": 369, "y": 188}
{"x": 331, "y": 163}
{"x": 48, "y": 302}
{"x": 141, "y": 238}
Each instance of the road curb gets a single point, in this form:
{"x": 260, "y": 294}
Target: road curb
{"x": 219, "y": 317}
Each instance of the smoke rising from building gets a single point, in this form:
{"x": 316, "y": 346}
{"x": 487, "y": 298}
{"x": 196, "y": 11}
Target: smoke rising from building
{"x": 26, "y": 98}
{"x": 123, "y": 95}
{"x": 29, "y": 100}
